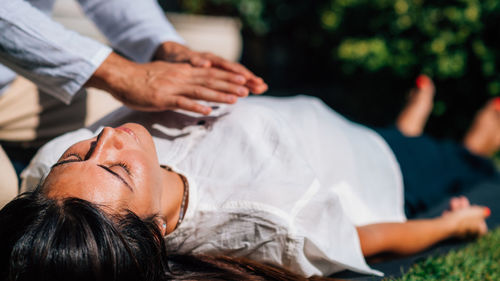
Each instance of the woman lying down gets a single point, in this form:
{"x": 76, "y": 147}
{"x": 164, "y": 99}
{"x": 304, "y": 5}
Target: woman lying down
{"x": 281, "y": 181}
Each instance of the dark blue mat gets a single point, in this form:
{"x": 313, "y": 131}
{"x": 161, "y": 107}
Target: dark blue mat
{"x": 486, "y": 193}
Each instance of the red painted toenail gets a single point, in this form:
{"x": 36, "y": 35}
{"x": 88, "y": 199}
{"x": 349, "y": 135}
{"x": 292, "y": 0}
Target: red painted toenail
{"x": 422, "y": 81}
{"x": 487, "y": 212}
{"x": 496, "y": 104}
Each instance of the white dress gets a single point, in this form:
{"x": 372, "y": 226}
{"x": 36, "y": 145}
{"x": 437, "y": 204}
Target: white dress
{"x": 283, "y": 181}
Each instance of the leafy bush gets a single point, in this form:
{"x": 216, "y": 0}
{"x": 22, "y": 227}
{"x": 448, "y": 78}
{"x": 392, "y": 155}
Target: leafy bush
{"x": 441, "y": 38}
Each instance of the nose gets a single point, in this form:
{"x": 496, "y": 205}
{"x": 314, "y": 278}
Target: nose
{"x": 107, "y": 141}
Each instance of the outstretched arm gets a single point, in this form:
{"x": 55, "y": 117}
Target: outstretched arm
{"x": 416, "y": 235}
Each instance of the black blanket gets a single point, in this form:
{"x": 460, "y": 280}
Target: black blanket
{"x": 486, "y": 194}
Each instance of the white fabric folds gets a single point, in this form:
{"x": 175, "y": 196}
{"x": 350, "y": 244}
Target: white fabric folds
{"x": 283, "y": 181}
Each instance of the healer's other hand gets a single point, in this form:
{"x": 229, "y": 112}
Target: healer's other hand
{"x": 174, "y": 52}
{"x": 161, "y": 85}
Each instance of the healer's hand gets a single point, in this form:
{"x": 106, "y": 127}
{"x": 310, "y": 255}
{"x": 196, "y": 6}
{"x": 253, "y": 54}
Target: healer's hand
{"x": 174, "y": 52}
{"x": 161, "y": 85}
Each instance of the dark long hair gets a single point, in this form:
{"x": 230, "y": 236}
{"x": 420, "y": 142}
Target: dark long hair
{"x": 72, "y": 239}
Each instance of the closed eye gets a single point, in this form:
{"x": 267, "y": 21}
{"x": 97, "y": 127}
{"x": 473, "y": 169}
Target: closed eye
{"x": 76, "y": 158}
{"x": 74, "y": 155}
{"x": 123, "y": 165}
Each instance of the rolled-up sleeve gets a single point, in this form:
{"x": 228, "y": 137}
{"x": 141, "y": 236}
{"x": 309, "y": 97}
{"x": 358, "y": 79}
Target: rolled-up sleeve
{"x": 59, "y": 61}
{"x": 134, "y": 28}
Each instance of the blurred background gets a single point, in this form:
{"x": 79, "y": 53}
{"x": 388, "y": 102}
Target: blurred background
{"x": 359, "y": 56}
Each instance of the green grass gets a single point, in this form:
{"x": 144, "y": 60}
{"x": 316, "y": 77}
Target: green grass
{"x": 477, "y": 261}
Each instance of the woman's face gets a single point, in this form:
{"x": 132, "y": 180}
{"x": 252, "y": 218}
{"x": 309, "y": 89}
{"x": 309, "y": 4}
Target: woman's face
{"x": 118, "y": 169}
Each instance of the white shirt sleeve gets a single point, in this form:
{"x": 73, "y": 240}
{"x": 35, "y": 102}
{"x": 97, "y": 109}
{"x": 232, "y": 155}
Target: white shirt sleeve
{"x": 134, "y": 27}
{"x": 59, "y": 61}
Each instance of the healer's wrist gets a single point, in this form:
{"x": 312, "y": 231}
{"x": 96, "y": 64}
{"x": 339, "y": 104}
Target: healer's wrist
{"x": 111, "y": 74}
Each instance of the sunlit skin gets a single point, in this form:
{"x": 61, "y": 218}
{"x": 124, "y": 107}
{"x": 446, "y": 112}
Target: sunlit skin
{"x": 119, "y": 170}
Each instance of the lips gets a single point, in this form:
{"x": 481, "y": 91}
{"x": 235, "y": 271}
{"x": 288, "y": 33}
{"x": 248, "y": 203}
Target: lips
{"x": 128, "y": 131}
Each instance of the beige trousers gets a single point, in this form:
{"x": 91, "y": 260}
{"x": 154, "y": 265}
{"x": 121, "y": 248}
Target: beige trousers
{"x": 29, "y": 118}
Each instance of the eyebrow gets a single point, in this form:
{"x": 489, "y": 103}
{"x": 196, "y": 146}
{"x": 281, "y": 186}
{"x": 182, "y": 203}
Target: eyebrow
{"x": 101, "y": 166}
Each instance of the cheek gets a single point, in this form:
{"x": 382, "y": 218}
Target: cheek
{"x": 148, "y": 176}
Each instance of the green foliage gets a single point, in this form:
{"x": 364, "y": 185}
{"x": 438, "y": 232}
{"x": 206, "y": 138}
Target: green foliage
{"x": 440, "y": 38}
{"x": 477, "y": 261}
{"x": 447, "y": 39}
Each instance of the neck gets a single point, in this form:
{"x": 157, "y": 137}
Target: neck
{"x": 174, "y": 187}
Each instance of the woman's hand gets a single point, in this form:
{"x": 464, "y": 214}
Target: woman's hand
{"x": 161, "y": 85}
{"x": 468, "y": 221}
{"x": 416, "y": 235}
{"x": 174, "y": 52}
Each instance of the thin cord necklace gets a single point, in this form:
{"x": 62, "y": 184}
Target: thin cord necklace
{"x": 184, "y": 195}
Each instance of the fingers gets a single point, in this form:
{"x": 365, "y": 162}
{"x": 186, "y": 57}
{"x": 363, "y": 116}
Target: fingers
{"x": 185, "y": 99}
{"x": 482, "y": 228}
{"x": 199, "y": 61}
{"x": 191, "y": 105}
{"x": 469, "y": 221}
{"x": 231, "y": 66}
{"x": 480, "y": 211}
{"x": 202, "y": 93}
{"x": 257, "y": 86}
{"x": 254, "y": 83}
{"x": 486, "y": 212}
{"x": 460, "y": 202}
{"x": 222, "y": 86}
{"x": 217, "y": 74}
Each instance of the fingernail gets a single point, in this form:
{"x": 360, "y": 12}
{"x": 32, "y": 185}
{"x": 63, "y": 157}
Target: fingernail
{"x": 206, "y": 110}
{"x": 231, "y": 99}
{"x": 496, "y": 104}
{"x": 240, "y": 79}
{"x": 487, "y": 212}
{"x": 422, "y": 81}
{"x": 242, "y": 91}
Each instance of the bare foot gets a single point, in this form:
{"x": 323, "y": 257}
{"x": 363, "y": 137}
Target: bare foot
{"x": 412, "y": 119}
{"x": 483, "y": 138}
